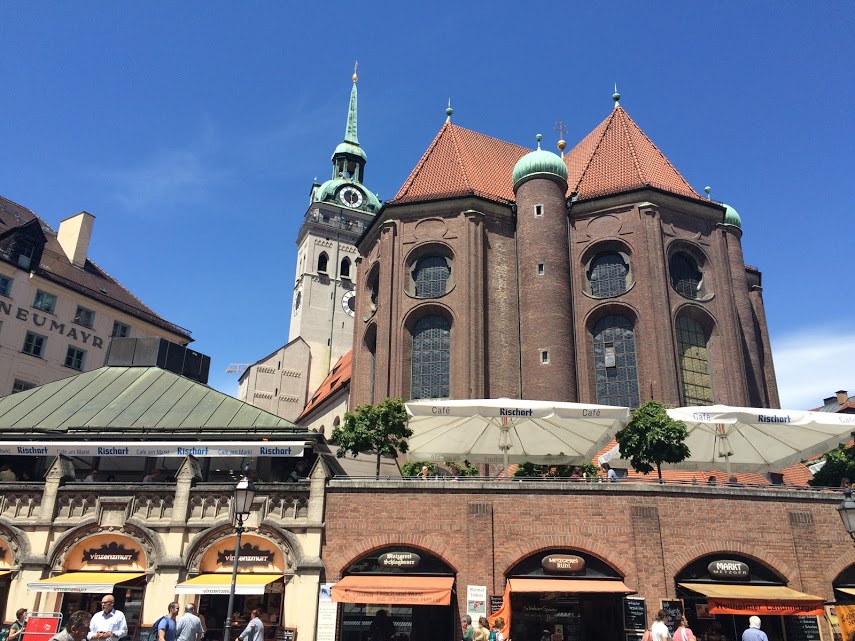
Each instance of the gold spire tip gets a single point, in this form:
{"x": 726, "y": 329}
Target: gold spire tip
{"x": 355, "y": 66}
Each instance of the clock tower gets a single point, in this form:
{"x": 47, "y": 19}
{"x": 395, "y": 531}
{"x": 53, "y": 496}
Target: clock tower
{"x": 339, "y": 210}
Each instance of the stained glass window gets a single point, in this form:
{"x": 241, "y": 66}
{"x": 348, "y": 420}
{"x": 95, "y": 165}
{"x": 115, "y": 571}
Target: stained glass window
{"x": 685, "y": 276}
{"x": 608, "y": 275}
{"x": 694, "y": 362}
{"x": 431, "y": 276}
{"x": 431, "y": 358}
{"x": 614, "y": 362}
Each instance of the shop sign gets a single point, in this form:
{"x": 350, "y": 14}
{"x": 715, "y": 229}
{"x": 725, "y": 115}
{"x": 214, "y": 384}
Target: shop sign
{"x": 728, "y": 570}
{"x": 110, "y": 554}
{"x": 249, "y": 554}
{"x": 399, "y": 560}
{"x": 199, "y": 449}
{"x": 563, "y": 563}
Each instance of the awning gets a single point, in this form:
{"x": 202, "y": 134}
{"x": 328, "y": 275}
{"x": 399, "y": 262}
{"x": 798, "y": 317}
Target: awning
{"x": 221, "y": 584}
{"x": 203, "y": 449}
{"x": 847, "y": 590}
{"x": 729, "y": 598}
{"x": 394, "y": 590}
{"x": 569, "y": 585}
{"x": 89, "y": 582}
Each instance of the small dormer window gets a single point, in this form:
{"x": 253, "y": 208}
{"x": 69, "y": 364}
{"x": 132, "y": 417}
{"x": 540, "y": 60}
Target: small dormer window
{"x": 26, "y": 251}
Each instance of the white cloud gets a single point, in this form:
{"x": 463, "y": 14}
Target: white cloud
{"x": 813, "y": 363}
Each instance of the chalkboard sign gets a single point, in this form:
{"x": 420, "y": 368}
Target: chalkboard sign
{"x": 634, "y": 636}
{"x": 286, "y": 634}
{"x": 674, "y": 608}
{"x": 800, "y": 628}
{"x": 634, "y": 614}
{"x": 496, "y": 602}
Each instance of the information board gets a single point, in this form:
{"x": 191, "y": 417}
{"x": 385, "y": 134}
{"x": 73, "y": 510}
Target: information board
{"x": 496, "y": 602}
{"x": 286, "y": 634}
{"x": 674, "y": 608}
{"x": 634, "y": 613}
{"x": 802, "y": 628}
{"x": 634, "y": 636}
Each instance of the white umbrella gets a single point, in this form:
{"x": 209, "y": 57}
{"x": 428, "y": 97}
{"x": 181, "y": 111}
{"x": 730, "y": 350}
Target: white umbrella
{"x": 507, "y": 430}
{"x": 752, "y": 439}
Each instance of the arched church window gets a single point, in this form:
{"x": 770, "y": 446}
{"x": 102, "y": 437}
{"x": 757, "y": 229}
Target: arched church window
{"x": 344, "y": 270}
{"x": 694, "y": 362}
{"x": 431, "y": 358}
{"x": 686, "y": 276}
{"x": 614, "y": 362}
{"x": 607, "y": 274}
{"x": 323, "y": 262}
{"x": 430, "y": 276}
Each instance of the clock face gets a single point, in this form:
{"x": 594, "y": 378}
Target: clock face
{"x": 350, "y": 196}
{"x": 348, "y": 304}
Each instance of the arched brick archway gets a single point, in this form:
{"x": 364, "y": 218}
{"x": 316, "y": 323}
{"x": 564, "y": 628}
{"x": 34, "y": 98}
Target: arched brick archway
{"x": 708, "y": 548}
{"x": 420, "y": 541}
{"x": 542, "y": 543}
{"x": 843, "y": 561}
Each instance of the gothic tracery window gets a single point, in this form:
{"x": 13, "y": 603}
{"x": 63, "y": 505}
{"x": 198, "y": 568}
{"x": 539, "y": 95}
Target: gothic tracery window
{"x": 431, "y": 358}
{"x": 614, "y": 362}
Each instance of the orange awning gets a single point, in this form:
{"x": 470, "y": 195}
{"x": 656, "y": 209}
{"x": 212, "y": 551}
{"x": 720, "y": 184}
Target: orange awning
{"x": 569, "y": 585}
{"x": 394, "y": 590}
{"x": 725, "y": 598}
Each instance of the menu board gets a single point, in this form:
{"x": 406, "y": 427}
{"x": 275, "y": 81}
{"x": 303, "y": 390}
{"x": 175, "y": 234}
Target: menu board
{"x": 286, "y": 634}
{"x": 802, "y": 628}
{"x": 496, "y": 602}
{"x": 634, "y": 613}
{"x": 634, "y": 636}
{"x": 674, "y": 608}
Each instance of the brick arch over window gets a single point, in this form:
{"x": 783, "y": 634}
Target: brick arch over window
{"x": 533, "y": 545}
{"x": 682, "y": 560}
{"x": 426, "y": 542}
{"x": 842, "y": 563}
{"x": 608, "y": 270}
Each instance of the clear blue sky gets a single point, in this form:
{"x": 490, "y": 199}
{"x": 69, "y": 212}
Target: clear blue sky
{"x": 193, "y": 132}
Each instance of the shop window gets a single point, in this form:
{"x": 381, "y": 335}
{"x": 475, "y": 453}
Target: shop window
{"x": 607, "y": 274}
{"x": 430, "y": 276}
{"x": 323, "y": 261}
{"x": 614, "y": 362}
{"x": 686, "y": 276}
{"x": 21, "y": 386}
{"x": 431, "y": 358}
{"x": 5, "y": 286}
{"x": 85, "y": 317}
{"x": 344, "y": 270}
{"x": 75, "y": 358}
{"x": 694, "y": 362}
{"x": 34, "y": 345}
{"x": 120, "y": 330}
{"x": 44, "y": 301}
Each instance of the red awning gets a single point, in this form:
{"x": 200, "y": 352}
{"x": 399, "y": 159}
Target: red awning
{"x": 394, "y": 590}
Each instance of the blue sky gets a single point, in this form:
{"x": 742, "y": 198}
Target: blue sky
{"x": 193, "y": 132}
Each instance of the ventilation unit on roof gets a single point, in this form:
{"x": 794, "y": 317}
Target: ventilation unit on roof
{"x": 158, "y": 352}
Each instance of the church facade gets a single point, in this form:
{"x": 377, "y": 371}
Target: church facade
{"x": 600, "y": 276}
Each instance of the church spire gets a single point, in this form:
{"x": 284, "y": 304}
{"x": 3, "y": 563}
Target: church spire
{"x": 350, "y": 130}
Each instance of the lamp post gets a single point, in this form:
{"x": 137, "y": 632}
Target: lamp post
{"x": 242, "y": 506}
{"x": 847, "y": 512}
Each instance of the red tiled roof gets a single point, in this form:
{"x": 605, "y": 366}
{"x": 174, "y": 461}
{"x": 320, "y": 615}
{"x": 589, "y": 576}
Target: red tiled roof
{"x": 618, "y": 156}
{"x": 91, "y": 281}
{"x": 337, "y": 379}
{"x": 462, "y": 162}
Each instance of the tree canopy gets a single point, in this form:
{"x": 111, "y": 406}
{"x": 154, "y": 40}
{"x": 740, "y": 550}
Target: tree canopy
{"x": 374, "y": 429}
{"x": 652, "y": 438}
{"x": 839, "y": 465}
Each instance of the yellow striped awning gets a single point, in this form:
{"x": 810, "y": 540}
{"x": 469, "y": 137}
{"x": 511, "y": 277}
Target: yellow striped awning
{"x": 221, "y": 583}
{"x": 89, "y": 582}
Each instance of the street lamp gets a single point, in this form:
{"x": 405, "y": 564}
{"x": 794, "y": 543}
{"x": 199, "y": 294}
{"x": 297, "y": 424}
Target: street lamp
{"x": 241, "y": 507}
{"x": 847, "y": 512}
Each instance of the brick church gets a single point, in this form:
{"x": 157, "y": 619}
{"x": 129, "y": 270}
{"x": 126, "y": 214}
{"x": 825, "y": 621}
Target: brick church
{"x": 598, "y": 276}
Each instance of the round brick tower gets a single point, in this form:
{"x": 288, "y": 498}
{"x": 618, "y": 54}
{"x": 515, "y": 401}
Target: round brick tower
{"x": 547, "y": 350}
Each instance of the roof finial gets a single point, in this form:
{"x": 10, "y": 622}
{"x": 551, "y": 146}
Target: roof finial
{"x": 448, "y": 111}
{"x": 538, "y": 137}
{"x": 708, "y": 189}
{"x": 616, "y": 97}
{"x": 350, "y": 134}
{"x": 355, "y": 66}
{"x": 561, "y": 128}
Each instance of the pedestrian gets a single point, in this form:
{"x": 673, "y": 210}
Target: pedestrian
{"x": 711, "y": 480}
{"x": 466, "y": 624}
{"x": 683, "y": 631}
{"x": 189, "y": 627}
{"x": 611, "y": 475}
{"x": 7, "y": 475}
{"x": 17, "y": 627}
{"x": 498, "y": 625}
{"x": 254, "y": 630}
{"x": 76, "y": 629}
{"x": 93, "y": 476}
{"x": 546, "y": 635}
{"x": 382, "y": 628}
{"x": 166, "y": 626}
{"x": 754, "y": 633}
{"x": 109, "y": 623}
{"x": 425, "y": 474}
{"x": 152, "y": 477}
{"x": 660, "y": 629}
{"x": 482, "y": 632}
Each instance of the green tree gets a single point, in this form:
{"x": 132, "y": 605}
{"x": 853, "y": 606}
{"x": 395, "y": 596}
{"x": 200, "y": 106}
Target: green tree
{"x": 652, "y": 438}
{"x": 374, "y": 429}
{"x": 839, "y": 464}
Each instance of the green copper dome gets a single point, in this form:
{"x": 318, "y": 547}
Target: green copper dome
{"x": 731, "y": 217}
{"x": 329, "y": 190}
{"x": 539, "y": 162}
{"x": 349, "y": 148}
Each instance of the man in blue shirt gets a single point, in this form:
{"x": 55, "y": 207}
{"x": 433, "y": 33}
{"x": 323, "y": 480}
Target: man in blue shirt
{"x": 754, "y": 633}
{"x": 166, "y": 625}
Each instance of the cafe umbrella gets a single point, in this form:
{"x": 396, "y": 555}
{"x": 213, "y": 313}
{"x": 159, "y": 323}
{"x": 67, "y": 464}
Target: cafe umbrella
{"x": 511, "y": 431}
{"x": 749, "y": 439}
